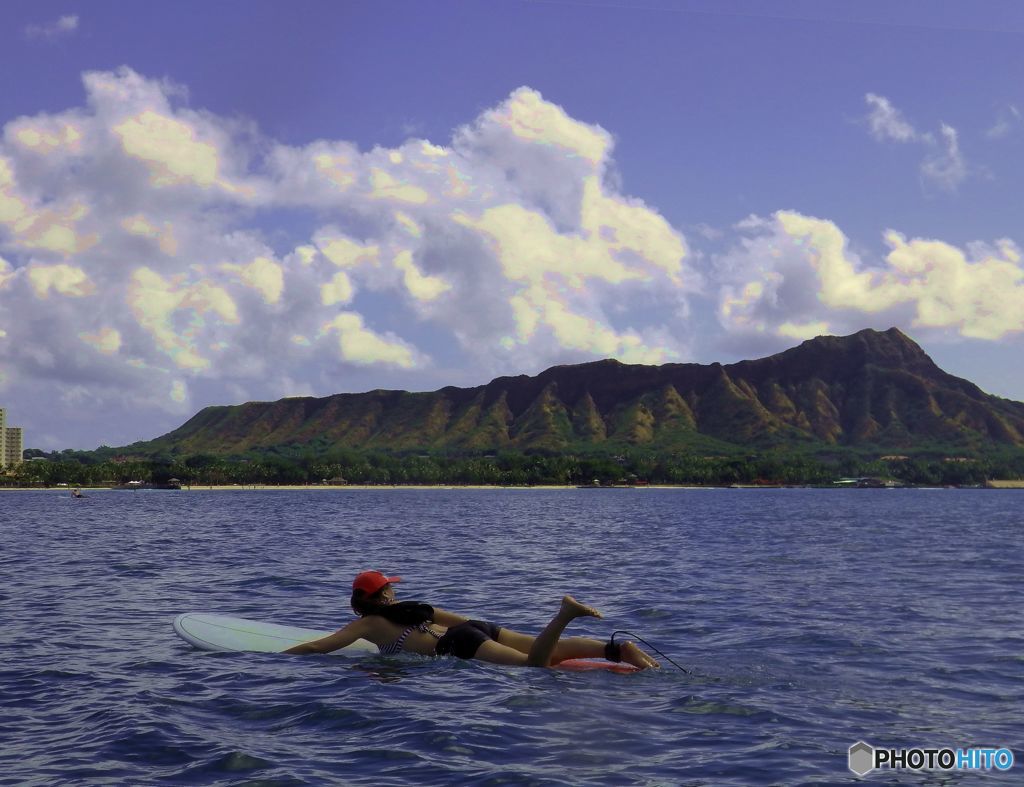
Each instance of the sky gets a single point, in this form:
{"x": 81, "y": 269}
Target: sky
{"x": 213, "y": 203}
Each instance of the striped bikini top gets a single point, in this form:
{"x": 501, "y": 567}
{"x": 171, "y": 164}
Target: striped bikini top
{"x": 396, "y": 647}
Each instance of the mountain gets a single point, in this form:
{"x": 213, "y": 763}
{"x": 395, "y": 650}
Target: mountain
{"x": 872, "y": 390}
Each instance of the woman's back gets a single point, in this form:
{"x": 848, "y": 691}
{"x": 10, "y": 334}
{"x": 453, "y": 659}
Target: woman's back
{"x": 394, "y": 638}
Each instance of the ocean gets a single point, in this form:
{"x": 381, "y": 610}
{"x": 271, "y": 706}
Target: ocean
{"x": 803, "y": 620}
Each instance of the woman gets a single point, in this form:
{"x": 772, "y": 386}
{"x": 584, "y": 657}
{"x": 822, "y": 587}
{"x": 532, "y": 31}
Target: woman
{"x": 419, "y": 628}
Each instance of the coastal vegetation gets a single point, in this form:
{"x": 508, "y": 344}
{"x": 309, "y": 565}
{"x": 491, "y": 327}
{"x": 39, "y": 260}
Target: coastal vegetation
{"x": 869, "y": 405}
{"x": 512, "y": 469}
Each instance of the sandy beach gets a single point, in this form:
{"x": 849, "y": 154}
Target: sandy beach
{"x": 272, "y": 487}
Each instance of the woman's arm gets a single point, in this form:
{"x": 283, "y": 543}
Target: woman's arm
{"x": 445, "y": 618}
{"x": 339, "y": 639}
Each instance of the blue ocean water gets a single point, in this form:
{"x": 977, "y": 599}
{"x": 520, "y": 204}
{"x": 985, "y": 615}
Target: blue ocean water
{"x": 807, "y": 619}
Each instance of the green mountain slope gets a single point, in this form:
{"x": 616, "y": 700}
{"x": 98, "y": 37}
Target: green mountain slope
{"x": 868, "y": 390}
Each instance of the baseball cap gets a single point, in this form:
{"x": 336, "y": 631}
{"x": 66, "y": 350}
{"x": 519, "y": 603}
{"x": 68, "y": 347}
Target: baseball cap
{"x": 371, "y": 581}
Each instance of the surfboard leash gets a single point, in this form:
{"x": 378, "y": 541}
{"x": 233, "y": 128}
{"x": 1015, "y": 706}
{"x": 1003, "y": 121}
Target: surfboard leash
{"x": 648, "y": 644}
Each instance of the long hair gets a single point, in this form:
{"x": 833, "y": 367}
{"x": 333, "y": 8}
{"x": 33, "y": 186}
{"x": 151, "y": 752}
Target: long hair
{"x": 404, "y": 613}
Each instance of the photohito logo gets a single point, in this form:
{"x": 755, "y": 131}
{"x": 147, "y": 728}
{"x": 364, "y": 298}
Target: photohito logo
{"x": 864, "y": 758}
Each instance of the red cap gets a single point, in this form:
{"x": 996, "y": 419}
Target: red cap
{"x": 371, "y": 581}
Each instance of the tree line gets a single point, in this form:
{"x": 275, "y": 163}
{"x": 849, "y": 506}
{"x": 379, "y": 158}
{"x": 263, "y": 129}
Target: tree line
{"x": 76, "y": 468}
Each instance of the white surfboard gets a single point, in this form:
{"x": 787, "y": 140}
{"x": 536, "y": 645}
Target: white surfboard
{"x": 223, "y": 633}
{"x": 238, "y": 635}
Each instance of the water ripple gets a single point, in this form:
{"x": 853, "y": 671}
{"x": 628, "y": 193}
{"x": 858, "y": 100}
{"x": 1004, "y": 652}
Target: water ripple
{"x": 807, "y": 619}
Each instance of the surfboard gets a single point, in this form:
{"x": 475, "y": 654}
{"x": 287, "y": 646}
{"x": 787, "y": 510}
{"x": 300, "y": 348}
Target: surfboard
{"x": 581, "y": 665}
{"x": 239, "y": 635}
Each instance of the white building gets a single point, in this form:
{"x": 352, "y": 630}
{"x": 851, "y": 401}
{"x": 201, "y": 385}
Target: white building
{"x": 12, "y": 443}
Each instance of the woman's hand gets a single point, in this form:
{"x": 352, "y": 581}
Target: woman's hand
{"x": 339, "y": 639}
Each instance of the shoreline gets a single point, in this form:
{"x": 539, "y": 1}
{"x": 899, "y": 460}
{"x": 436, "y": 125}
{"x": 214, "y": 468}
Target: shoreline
{"x": 421, "y": 487}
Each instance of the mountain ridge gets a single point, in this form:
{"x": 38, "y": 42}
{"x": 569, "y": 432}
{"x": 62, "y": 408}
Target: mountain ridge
{"x": 869, "y": 389}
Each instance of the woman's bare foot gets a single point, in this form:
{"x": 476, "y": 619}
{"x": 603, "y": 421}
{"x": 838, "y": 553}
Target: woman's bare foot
{"x": 571, "y": 608}
{"x": 631, "y": 654}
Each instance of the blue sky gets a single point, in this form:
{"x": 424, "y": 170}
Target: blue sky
{"x": 212, "y": 203}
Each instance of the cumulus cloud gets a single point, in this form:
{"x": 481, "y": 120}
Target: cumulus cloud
{"x": 156, "y": 301}
{"x": 527, "y": 117}
{"x": 262, "y": 274}
{"x": 420, "y": 286}
{"x": 164, "y": 235}
{"x": 169, "y": 148}
{"x": 337, "y": 290}
{"x": 360, "y": 345}
{"x": 63, "y": 279}
{"x": 105, "y": 340}
{"x": 795, "y": 276}
{"x": 38, "y": 223}
{"x": 159, "y": 257}
{"x": 151, "y": 230}
{"x": 6, "y": 272}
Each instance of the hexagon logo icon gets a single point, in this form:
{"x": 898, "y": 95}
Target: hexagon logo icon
{"x": 861, "y": 758}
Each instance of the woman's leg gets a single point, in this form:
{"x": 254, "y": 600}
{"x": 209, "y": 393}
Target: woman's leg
{"x": 578, "y": 648}
{"x": 567, "y": 647}
{"x": 542, "y": 647}
{"x": 495, "y": 653}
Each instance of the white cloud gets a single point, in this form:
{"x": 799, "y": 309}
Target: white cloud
{"x": 409, "y": 224}
{"x": 6, "y": 272}
{"x": 192, "y": 260}
{"x": 320, "y": 174}
{"x": 528, "y": 118}
{"x": 385, "y": 186}
{"x": 796, "y": 276}
{"x": 169, "y": 148}
{"x": 530, "y": 249}
{"x": 419, "y": 285}
{"x": 1008, "y": 119}
{"x": 360, "y": 345}
{"x": 803, "y": 331}
{"x": 344, "y": 251}
{"x": 164, "y": 235}
{"x": 154, "y": 301}
{"x": 943, "y": 165}
{"x": 34, "y": 224}
{"x": 153, "y": 230}
{"x": 632, "y": 232}
{"x": 106, "y": 341}
{"x": 555, "y": 278}
{"x": 262, "y": 274}
{"x": 114, "y": 96}
{"x": 338, "y": 290}
{"x": 179, "y": 151}
{"x": 708, "y": 232}
{"x": 887, "y": 122}
{"x": 981, "y": 296}
{"x": 63, "y": 279}
{"x": 60, "y": 28}
{"x": 45, "y": 136}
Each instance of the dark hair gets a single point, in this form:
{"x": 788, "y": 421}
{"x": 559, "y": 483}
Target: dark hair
{"x": 404, "y": 613}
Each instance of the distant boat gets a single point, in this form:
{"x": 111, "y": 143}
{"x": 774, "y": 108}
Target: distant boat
{"x": 173, "y": 483}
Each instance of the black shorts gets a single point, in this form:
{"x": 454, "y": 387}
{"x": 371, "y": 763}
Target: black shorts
{"x": 466, "y": 638}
